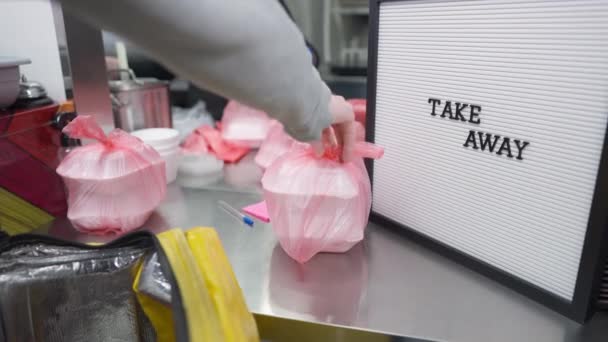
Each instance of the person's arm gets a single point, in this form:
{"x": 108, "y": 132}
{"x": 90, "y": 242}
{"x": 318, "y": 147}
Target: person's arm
{"x": 247, "y": 50}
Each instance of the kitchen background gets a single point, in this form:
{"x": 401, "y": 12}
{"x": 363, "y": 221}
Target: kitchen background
{"x": 335, "y": 29}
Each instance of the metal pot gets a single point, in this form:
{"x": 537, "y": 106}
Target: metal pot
{"x": 140, "y": 103}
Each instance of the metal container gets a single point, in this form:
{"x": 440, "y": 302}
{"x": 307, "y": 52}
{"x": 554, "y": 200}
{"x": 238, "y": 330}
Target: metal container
{"x": 140, "y": 103}
{"x": 30, "y": 90}
{"x": 9, "y": 79}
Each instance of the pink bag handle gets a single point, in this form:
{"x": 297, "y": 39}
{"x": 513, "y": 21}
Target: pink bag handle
{"x": 85, "y": 126}
{"x": 365, "y": 149}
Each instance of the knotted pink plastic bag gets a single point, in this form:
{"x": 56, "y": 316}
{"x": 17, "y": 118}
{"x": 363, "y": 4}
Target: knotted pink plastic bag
{"x": 276, "y": 144}
{"x": 114, "y": 184}
{"x": 319, "y": 204}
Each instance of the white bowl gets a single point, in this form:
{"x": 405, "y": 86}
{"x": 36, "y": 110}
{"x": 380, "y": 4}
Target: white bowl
{"x": 199, "y": 182}
{"x": 199, "y": 164}
{"x": 159, "y": 138}
{"x": 166, "y": 150}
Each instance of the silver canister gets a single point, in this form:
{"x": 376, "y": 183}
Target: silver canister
{"x": 140, "y": 103}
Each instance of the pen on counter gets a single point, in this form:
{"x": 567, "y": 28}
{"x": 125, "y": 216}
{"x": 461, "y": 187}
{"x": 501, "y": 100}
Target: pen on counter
{"x": 235, "y": 213}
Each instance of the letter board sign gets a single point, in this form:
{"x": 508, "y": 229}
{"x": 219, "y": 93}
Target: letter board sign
{"x": 493, "y": 116}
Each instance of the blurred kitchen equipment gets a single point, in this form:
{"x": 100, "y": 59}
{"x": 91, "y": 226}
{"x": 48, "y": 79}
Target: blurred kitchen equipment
{"x": 346, "y": 24}
{"x": 140, "y": 103}
{"x": 9, "y": 79}
{"x": 31, "y": 95}
{"x": 31, "y": 192}
{"x": 30, "y": 90}
{"x": 123, "y": 60}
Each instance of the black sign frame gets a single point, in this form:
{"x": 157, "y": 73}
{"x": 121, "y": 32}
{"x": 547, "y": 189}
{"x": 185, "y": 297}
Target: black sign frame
{"x": 593, "y": 257}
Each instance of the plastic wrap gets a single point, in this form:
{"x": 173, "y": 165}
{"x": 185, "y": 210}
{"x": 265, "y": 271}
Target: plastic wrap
{"x": 113, "y": 184}
{"x": 318, "y": 204}
{"x": 244, "y": 125}
{"x": 153, "y": 291}
{"x": 185, "y": 120}
{"x": 153, "y": 281}
{"x": 277, "y": 143}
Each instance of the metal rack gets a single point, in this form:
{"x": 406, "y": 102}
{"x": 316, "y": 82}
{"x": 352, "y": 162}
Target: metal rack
{"x": 345, "y": 27}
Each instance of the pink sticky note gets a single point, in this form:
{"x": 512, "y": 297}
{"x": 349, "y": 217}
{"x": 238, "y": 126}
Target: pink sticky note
{"x": 258, "y": 210}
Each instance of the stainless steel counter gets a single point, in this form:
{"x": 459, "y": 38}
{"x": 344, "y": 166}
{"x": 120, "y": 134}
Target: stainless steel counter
{"x": 386, "y": 283}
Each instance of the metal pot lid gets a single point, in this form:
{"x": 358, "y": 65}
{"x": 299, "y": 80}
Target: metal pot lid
{"x": 6, "y": 62}
{"x": 133, "y": 83}
{"x": 30, "y": 90}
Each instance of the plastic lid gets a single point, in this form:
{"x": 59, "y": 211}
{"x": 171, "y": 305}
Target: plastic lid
{"x": 157, "y": 135}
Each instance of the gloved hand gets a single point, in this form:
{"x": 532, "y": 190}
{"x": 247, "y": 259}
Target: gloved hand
{"x": 342, "y": 131}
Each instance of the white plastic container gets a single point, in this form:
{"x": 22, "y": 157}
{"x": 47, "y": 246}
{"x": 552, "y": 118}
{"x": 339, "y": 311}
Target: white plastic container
{"x": 166, "y": 142}
{"x": 159, "y": 138}
{"x": 197, "y": 170}
{"x": 244, "y": 125}
{"x": 171, "y": 164}
{"x": 199, "y": 164}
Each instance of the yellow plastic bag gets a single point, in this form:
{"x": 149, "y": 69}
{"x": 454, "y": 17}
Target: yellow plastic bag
{"x": 159, "y": 314}
{"x": 235, "y": 319}
{"x": 201, "y": 315}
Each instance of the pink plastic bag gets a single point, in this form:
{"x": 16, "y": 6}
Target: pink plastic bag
{"x": 195, "y": 143}
{"x": 276, "y": 144}
{"x": 318, "y": 204}
{"x": 206, "y": 139}
{"x": 244, "y": 125}
{"x": 359, "y": 107}
{"x": 114, "y": 184}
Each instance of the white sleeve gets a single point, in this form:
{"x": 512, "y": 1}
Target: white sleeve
{"x": 247, "y": 50}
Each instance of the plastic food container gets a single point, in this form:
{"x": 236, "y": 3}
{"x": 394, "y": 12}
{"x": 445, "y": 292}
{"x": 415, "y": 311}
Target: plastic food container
{"x": 171, "y": 164}
{"x": 199, "y": 164}
{"x": 243, "y": 125}
{"x": 97, "y": 211}
{"x": 163, "y": 138}
{"x": 197, "y": 170}
{"x": 9, "y": 79}
{"x": 166, "y": 142}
